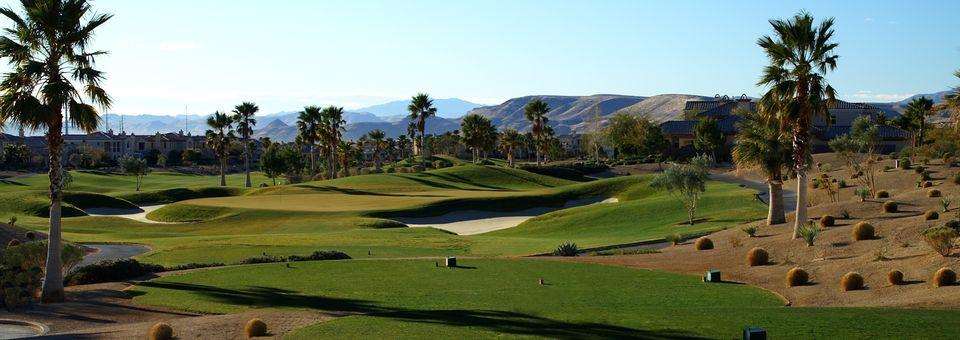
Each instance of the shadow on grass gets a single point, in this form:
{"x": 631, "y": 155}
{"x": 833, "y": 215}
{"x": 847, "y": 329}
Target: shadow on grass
{"x": 503, "y": 322}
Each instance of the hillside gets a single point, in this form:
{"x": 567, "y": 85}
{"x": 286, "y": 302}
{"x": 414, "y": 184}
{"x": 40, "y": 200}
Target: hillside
{"x": 566, "y": 112}
{"x": 662, "y": 107}
{"x": 278, "y": 130}
{"x": 446, "y": 108}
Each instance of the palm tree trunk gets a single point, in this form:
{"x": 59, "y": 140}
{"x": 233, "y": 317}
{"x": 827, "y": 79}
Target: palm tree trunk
{"x": 246, "y": 160}
{"x": 223, "y": 175}
{"x": 801, "y": 212}
{"x": 333, "y": 161}
{"x": 775, "y": 215}
{"x": 52, "y": 289}
{"x": 313, "y": 161}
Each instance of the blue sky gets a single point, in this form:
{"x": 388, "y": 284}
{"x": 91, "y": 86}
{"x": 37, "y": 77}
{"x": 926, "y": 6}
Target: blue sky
{"x": 212, "y": 54}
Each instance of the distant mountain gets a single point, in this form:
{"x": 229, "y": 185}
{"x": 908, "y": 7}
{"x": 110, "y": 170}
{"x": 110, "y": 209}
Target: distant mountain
{"x": 277, "y": 130}
{"x": 567, "y": 113}
{"x": 446, "y": 108}
{"x": 897, "y": 108}
{"x": 664, "y": 107}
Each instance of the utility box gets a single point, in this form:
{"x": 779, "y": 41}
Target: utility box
{"x": 451, "y": 262}
{"x": 754, "y": 333}
{"x": 712, "y": 276}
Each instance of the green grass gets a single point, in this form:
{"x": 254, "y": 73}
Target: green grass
{"x": 102, "y": 182}
{"x": 501, "y": 298}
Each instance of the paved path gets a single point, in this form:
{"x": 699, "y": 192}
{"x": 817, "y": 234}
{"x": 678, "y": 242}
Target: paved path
{"x": 112, "y": 252}
{"x": 789, "y": 195}
{"x": 472, "y": 222}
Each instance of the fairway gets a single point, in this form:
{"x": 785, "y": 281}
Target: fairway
{"x": 501, "y": 298}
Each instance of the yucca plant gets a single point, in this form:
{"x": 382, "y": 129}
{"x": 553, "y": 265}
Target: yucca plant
{"x": 862, "y": 192}
{"x": 750, "y": 230}
{"x": 566, "y": 249}
{"x": 809, "y": 233}
{"x": 945, "y": 203}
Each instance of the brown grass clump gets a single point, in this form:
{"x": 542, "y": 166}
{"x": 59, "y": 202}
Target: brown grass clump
{"x": 944, "y": 277}
{"x": 797, "y": 277}
{"x": 895, "y": 277}
{"x": 934, "y": 193}
{"x": 757, "y": 257}
{"x": 827, "y": 221}
{"x": 161, "y": 331}
{"x": 890, "y": 207}
{"x": 927, "y": 184}
{"x": 931, "y": 215}
{"x": 851, "y": 281}
{"x": 862, "y": 231}
{"x": 882, "y": 194}
{"x": 703, "y": 243}
{"x": 254, "y": 328}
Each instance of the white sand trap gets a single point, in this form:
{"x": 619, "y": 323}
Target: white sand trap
{"x": 472, "y": 222}
{"x": 139, "y": 215}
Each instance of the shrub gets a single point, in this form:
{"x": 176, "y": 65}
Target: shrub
{"x": 750, "y": 230}
{"x": 904, "y": 163}
{"x": 919, "y": 169}
{"x": 862, "y": 231}
{"x": 930, "y": 215}
{"x": 927, "y": 184}
{"x": 757, "y": 257}
{"x": 944, "y": 277}
{"x": 882, "y": 194}
{"x": 110, "y": 271}
{"x": 320, "y": 255}
{"x": 895, "y": 277}
{"x": 674, "y": 239}
{"x": 851, "y": 281}
{"x": 797, "y": 277}
{"x": 940, "y": 239}
{"x": 417, "y": 168}
{"x": 845, "y": 213}
{"x": 703, "y": 243}
{"x": 933, "y": 192}
{"x": 161, "y": 331}
{"x": 809, "y": 233}
{"x": 890, "y": 207}
{"x": 566, "y": 249}
{"x": 255, "y": 328}
{"x": 863, "y": 193}
{"x": 956, "y": 178}
{"x": 194, "y": 265}
{"x": 31, "y": 236}
{"x": 925, "y": 176}
{"x": 827, "y": 221}
{"x": 13, "y": 243}
{"x": 945, "y": 203}
{"x": 953, "y": 224}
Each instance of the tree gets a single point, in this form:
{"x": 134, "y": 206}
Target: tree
{"x": 421, "y": 108}
{"x": 16, "y": 153}
{"x": 477, "y": 131}
{"x": 48, "y": 48}
{"x": 859, "y": 150}
{"x": 536, "y": 112}
{"x": 308, "y": 132}
{"x": 134, "y": 167}
{"x": 951, "y": 102}
{"x": 917, "y": 110}
{"x": 655, "y": 143}
{"x": 625, "y": 133}
{"x": 510, "y": 141}
{"x": 760, "y": 144}
{"x": 800, "y": 54}
{"x": 377, "y": 139}
{"x": 191, "y": 156}
{"x": 218, "y": 139}
{"x": 272, "y": 162}
{"x": 686, "y": 182}
{"x": 707, "y": 136}
{"x": 243, "y": 116}
{"x": 331, "y": 130}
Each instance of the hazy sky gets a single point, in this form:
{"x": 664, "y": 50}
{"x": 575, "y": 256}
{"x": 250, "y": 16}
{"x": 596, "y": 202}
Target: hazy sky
{"x": 210, "y": 55}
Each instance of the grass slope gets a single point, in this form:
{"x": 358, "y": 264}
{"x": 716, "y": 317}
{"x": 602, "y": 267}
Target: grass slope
{"x": 501, "y": 298}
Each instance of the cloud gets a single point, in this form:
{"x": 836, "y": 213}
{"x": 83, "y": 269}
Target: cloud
{"x": 176, "y": 46}
{"x": 868, "y": 19}
{"x": 869, "y": 96}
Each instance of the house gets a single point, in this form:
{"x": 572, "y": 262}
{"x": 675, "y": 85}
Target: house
{"x": 724, "y": 109}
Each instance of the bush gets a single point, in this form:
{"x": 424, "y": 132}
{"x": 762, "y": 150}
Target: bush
{"x": 194, "y": 265}
{"x": 161, "y": 331}
{"x": 895, "y": 277}
{"x": 953, "y": 224}
{"x": 319, "y": 255}
{"x": 930, "y": 215}
{"x": 890, "y": 207}
{"x": 904, "y": 163}
{"x": 703, "y": 243}
{"x": 110, "y": 271}
{"x": 809, "y": 233}
{"x": 13, "y": 243}
{"x": 933, "y": 193}
{"x": 944, "y": 277}
{"x": 956, "y": 178}
{"x": 926, "y": 184}
{"x": 851, "y": 281}
{"x": 882, "y": 194}
{"x": 255, "y": 328}
{"x": 845, "y": 213}
{"x": 31, "y": 236}
{"x": 827, "y": 221}
{"x": 863, "y": 193}
{"x": 757, "y": 257}
{"x": 797, "y": 277}
{"x": 750, "y": 230}
{"x": 862, "y": 231}
{"x": 919, "y": 169}
{"x": 674, "y": 239}
{"x": 566, "y": 249}
{"x": 940, "y": 239}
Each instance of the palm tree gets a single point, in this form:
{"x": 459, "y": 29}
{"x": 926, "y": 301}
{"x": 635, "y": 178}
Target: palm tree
{"x": 800, "y": 54}
{"x": 243, "y": 116}
{"x": 219, "y": 137}
{"x": 475, "y": 129}
{"x": 331, "y": 130}
{"x": 421, "y": 108}
{"x": 761, "y": 144}
{"x": 377, "y": 139}
{"x": 918, "y": 109}
{"x": 308, "y": 125}
{"x": 510, "y": 140}
{"x": 536, "y": 112}
{"x": 403, "y": 144}
{"x": 951, "y": 102}
{"x": 51, "y": 73}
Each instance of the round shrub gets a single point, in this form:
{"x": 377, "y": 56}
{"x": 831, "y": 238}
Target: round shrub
{"x": 757, "y": 257}
{"x": 31, "y": 236}
{"x": 956, "y": 178}
{"x": 161, "y": 331}
{"x": 904, "y": 163}
{"x": 703, "y": 243}
{"x": 933, "y": 193}
{"x": 862, "y": 231}
{"x": 254, "y": 328}
{"x": 944, "y": 277}
{"x": 13, "y": 243}
{"x": 930, "y": 215}
{"x": 890, "y": 207}
{"x": 895, "y": 277}
{"x": 851, "y": 281}
{"x": 927, "y": 184}
{"x": 827, "y": 221}
{"x": 953, "y": 224}
{"x": 882, "y": 194}
{"x": 919, "y": 169}
{"x": 797, "y": 277}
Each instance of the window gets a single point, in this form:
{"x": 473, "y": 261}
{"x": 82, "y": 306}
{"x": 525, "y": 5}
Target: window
{"x": 141, "y": 146}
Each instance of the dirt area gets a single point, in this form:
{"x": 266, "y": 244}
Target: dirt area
{"x": 899, "y": 246}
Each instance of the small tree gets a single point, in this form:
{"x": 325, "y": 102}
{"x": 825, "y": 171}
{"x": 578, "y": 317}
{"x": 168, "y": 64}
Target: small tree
{"x": 707, "y": 136}
{"x": 135, "y": 167}
{"x": 858, "y": 149}
{"x": 272, "y": 163}
{"x": 686, "y": 182}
